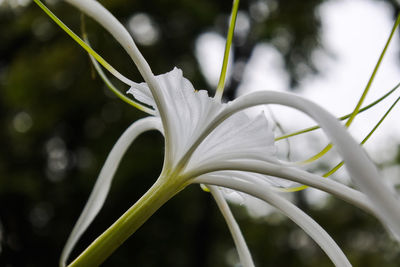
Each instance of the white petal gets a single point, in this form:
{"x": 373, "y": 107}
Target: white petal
{"x": 188, "y": 110}
{"x": 96, "y": 11}
{"x": 271, "y": 180}
{"x": 236, "y": 138}
{"x": 241, "y": 246}
{"x": 363, "y": 172}
{"x": 103, "y": 183}
{"x": 312, "y": 228}
{"x": 190, "y": 113}
{"x": 218, "y": 171}
{"x": 142, "y": 93}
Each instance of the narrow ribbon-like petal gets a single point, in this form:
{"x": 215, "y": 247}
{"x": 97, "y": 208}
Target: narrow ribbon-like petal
{"x": 241, "y": 246}
{"x": 246, "y": 170}
{"x": 103, "y": 183}
{"x": 363, "y": 172}
{"x": 312, "y": 228}
{"x": 96, "y": 11}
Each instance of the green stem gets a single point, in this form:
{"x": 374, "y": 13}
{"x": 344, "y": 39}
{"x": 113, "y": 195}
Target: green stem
{"x": 221, "y": 84}
{"x": 128, "y": 223}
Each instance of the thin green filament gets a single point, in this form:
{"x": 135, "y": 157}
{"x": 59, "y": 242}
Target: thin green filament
{"x": 77, "y": 39}
{"x": 106, "y": 81}
{"x": 231, "y": 30}
{"x": 94, "y": 55}
{"x": 362, "y": 98}
{"x": 313, "y": 128}
{"x": 340, "y": 164}
{"x": 113, "y": 89}
{"x": 357, "y": 108}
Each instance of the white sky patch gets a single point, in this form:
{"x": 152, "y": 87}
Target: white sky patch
{"x": 265, "y": 71}
{"x": 356, "y": 32}
{"x": 209, "y": 50}
{"x": 143, "y": 29}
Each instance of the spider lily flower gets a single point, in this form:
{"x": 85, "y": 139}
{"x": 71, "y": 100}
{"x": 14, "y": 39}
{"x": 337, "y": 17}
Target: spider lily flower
{"x": 214, "y": 143}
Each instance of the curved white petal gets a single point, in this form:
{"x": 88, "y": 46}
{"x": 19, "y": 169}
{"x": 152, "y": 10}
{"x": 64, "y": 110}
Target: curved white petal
{"x": 263, "y": 192}
{"x": 245, "y": 170}
{"x": 246, "y": 174}
{"x": 96, "y": 11}
{"x": 363, "y": 172}
{"x": 103, "y": 183}
{"x": 241, "y": 246}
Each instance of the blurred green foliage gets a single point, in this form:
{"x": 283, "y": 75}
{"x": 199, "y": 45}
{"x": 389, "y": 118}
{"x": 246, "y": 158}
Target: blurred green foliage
{"x": 58, "y": 122}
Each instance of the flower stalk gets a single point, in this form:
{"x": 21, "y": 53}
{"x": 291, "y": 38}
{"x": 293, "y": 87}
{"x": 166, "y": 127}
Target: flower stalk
{"x": 104, "y": 245}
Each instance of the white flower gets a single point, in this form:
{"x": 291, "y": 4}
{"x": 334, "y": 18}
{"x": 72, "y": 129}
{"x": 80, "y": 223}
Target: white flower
{"x": 213, "y": 143}
{"x": 191, "y": 111}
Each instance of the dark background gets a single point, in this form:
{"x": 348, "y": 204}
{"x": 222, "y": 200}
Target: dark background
{"x": 58, "y": 122}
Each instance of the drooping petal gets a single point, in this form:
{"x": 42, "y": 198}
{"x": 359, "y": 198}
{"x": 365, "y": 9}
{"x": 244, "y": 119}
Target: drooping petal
{"x": 241, "y": 246}
{"x": 273, "y": 181}
{"x": 103, "y": 183}
{"x": 263, "y": 192}
{"x": 246, "y": 170}
{"x": 96, "y": 11}
{"x": 363, "y": 172}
